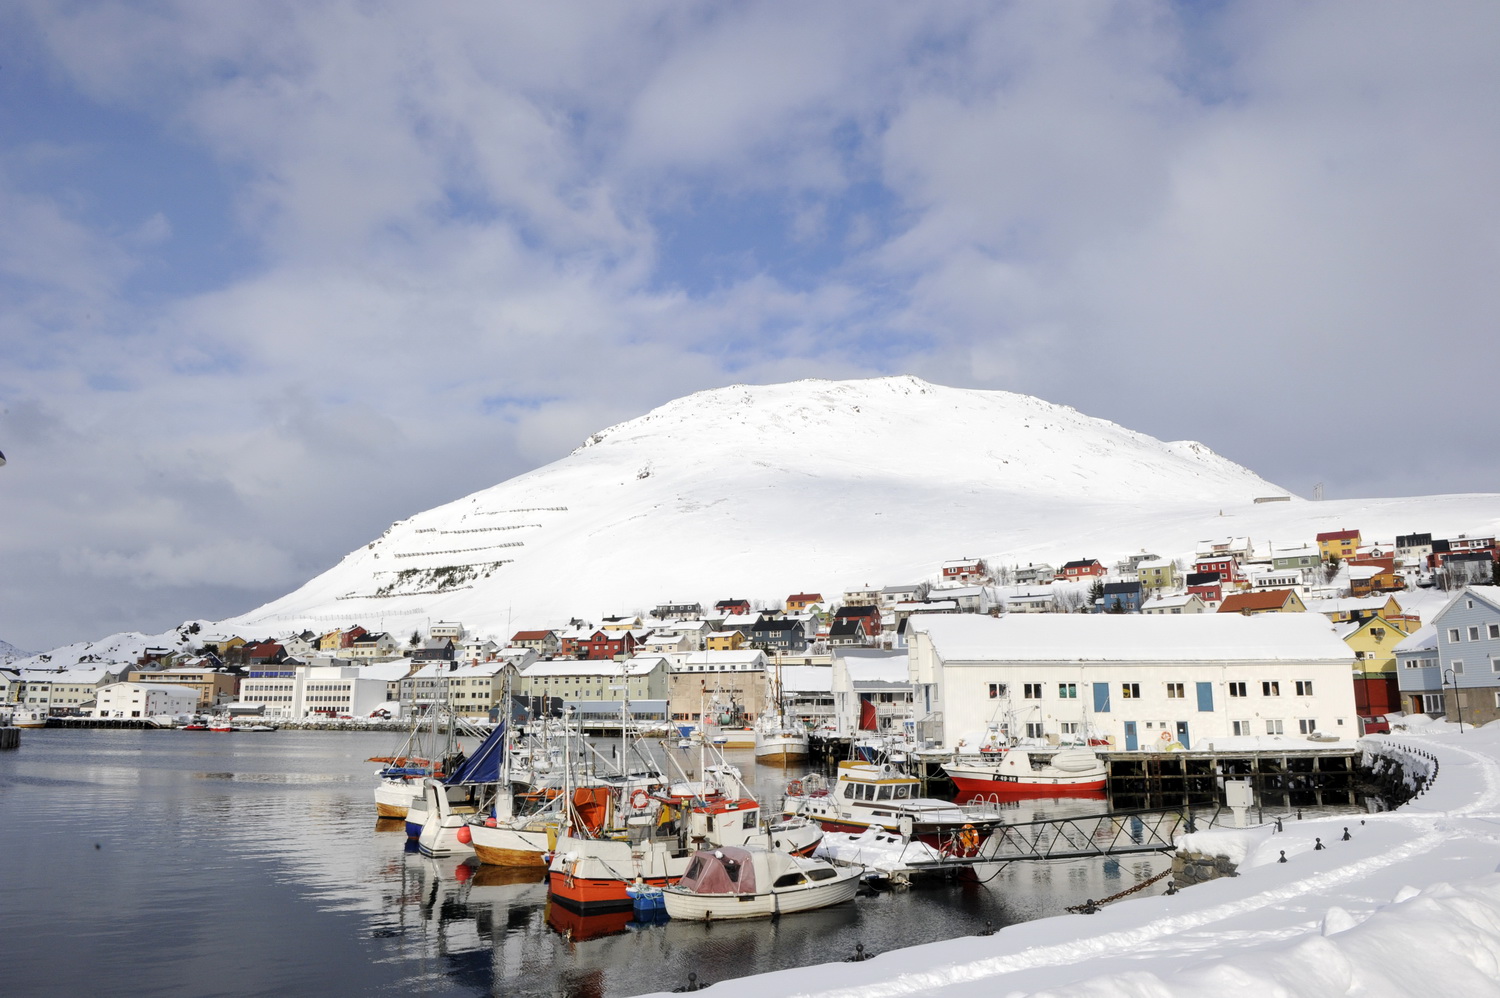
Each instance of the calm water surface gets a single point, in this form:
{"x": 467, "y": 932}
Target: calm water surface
{"x": 196, "y": 863}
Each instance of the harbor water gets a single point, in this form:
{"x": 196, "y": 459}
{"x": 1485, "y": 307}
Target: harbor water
{"x": 183, "y": 863}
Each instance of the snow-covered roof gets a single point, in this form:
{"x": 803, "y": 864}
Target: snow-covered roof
{"x": 1167, "y": 602}
{"x": 386, "y": 671}
{"x": 1424, "y": 638}
{"x": 64, "y": 675}
{"x": 869, "y": 665}
{"x": 742, "y": 656}
{"x": 592, "y": 667}
{"x": 1133, "y": 637}
{"x": 806, "y": 678}
{"x": 177, "y": 688}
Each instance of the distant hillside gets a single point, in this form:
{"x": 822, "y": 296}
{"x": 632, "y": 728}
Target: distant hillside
{"x": 758, "y": 492}
{"x": 10, "y": 653}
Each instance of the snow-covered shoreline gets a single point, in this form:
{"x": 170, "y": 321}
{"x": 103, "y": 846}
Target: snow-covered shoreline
{"x": 1408, "y": 904}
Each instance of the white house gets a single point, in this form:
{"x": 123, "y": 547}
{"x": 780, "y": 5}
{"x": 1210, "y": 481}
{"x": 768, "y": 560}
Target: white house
{"x": 145, "y": 700}
{"x": 1174, "y": 605}
{"x": 1031, "y": 601}
{"x": 1136, "y": 680}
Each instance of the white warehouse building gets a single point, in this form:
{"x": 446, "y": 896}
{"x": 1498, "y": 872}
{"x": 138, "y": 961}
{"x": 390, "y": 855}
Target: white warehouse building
{"x": 1132, "y": 680}
{"x": 145, "y": 700}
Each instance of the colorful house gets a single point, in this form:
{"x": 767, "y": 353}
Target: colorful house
{"x": 1338, "y": 544}
{"x": 1082, "y": 568}
{"x": 1157, "y": 574}
{"x": 725, "y": 641}
{"x": 800, "y": 602}
{"x": 1374, "y": 641}
{"x": 1263, "y": 601}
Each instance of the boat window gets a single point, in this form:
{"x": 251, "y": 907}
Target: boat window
{"x": 901, "y": 791}
{"x": 823, "y": 874}
{"x": 790, "y": 879}
{"x": 694, "y": 870}
{"x": 885, "y": 791}
{"x": 866, "y": 791}
{"x": 749, "y": 820}
{"x": 849, "y": 791}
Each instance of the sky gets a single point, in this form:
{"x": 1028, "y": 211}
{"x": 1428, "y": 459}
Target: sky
{"x": 274, "y": 275}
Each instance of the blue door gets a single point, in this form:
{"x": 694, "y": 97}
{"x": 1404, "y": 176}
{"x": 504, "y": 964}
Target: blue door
{"x": 1131, "y": 742}
{"x": 1182, "y": 735}
{"x": 1101, "y": 698}
{"x": 1206, "y": 697}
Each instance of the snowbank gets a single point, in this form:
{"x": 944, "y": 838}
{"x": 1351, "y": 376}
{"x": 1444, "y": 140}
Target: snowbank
{"x": 1399, "y": 903}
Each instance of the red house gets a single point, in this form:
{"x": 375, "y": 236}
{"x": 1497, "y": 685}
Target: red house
{"x": 965, "y": 570}
{"x": 1227, "y": 567}
{"x": 869, "y": 614}
{"x": 1083, "y": 568}
{"x": 607, "y": 645}
{"x": 728, "y": 606}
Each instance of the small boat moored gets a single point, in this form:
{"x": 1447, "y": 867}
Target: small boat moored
{"x": 754, "y": 882}
{"x": 1031, "y": 772}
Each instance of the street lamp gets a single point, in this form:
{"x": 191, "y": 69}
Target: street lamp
{"x": 1449, "y": 679}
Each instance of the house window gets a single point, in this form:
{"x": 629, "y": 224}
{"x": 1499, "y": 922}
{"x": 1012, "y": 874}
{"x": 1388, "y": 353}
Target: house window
{"x": 1241, "y": 727}
{"x": 1495, "y": 630}
{"x": 1304, "y": 688}
{"x": 1067, "y": 691}
{"x": 1458, "y": 667}
{"x": 1306, "y": 725}
{"x": 1454, "y": 634}
{"x": 1033, "y": 729}
{"x": 1237, "y": 690}
{"x": 1175, "y": 691}
{"x": 1071, "y": 727}
{"x": 997, "y": 690}
{"x": 1033, "y": 691}
{"x": 1474, "y": 634}
{"x": 1273, "y": 727}
{"x": 1270, "y": 688}
{"x": 1130, "y": 691}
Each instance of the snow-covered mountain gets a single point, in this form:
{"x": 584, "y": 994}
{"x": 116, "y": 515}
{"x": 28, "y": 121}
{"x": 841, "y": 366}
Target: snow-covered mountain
{"x": 10, "y": 653}
{"x": 758, "y": 492}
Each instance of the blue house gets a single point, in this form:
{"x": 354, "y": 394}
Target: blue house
{"x": 1417, "y": 674}
{"x": 1121, "y": 597}
{"x": 1468, "y": 652}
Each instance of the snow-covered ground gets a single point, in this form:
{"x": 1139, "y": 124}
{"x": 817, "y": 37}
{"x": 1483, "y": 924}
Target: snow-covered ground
{"x": 1408, "y": 905}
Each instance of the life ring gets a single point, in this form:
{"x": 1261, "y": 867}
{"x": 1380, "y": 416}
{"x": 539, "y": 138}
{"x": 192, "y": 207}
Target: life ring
{"x": 639, "y": 799}
{"x": 794, "y": 788}
{"x": 968, "y": 837}
{"x": 1166, "y": 736}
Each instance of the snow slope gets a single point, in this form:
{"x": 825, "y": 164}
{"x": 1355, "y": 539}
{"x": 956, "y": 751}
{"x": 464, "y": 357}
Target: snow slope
{"x": 757, "y": 492}
{"x": 1408, "y": 905}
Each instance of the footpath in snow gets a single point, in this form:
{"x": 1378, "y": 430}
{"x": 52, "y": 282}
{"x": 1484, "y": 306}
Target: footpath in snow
{"x": 1408, "y": 905}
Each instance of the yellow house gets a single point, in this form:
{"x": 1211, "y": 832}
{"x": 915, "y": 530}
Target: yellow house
{"x": 1341, "y": 611}
{"x": 1157, "y": 574}
{"x": 1340, "y": 544}
{"x": 1374, "y": 642}
{"x": 725, "y": 641}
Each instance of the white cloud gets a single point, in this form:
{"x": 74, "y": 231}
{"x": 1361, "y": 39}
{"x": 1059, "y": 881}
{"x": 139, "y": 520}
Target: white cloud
{"x": 1235, "y": 225}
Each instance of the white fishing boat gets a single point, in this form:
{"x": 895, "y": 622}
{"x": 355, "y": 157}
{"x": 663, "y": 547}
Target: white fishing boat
{"x": 779, "y": 738}
{"x": 870, "y": 795}
{"x": 27, "y": 717}
{"x": 1031, "y": 772}
{"x": 754, "y": 882}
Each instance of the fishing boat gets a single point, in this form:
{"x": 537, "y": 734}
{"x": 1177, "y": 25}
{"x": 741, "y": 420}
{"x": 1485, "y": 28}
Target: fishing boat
{"x": 1028, "y": 772}
{"x": 27, "y": 717}
{"x": 751, "y": 881}
{"x": 221, "y": 723}
{"x": 616, "y": 838}
{"x": 450, "y": 804}
{"x": 779, "y": 738}
{"x": 879, "y": 795}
